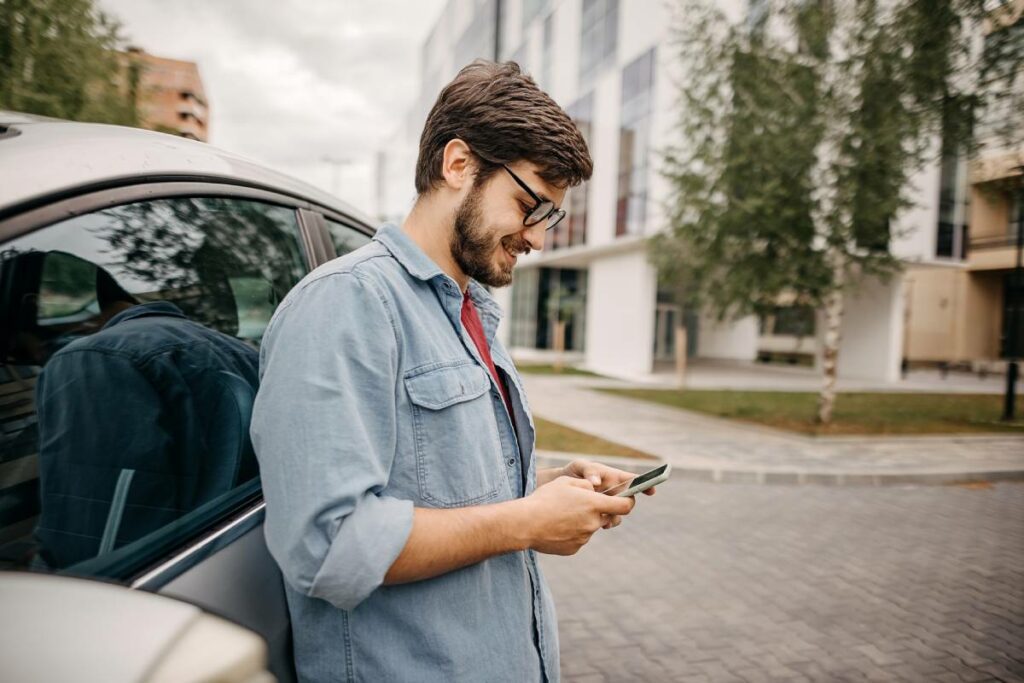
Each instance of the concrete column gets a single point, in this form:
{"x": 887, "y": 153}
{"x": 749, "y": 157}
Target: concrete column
{"x": 621, "y": 296}
{"x": 872, "y": 333}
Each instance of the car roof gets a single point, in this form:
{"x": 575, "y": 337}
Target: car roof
{"x": 42, "y": 157}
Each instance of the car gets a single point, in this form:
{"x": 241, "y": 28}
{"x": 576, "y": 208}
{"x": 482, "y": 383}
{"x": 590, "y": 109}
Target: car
{"x": 123, "y": 458}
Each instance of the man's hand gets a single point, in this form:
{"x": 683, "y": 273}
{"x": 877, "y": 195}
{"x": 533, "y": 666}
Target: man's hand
{"x": 563, "y": 514}
{"x": 603, "y": 478}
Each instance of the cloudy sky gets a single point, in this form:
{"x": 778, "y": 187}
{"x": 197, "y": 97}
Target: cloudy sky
{"x": 293, "y": 83}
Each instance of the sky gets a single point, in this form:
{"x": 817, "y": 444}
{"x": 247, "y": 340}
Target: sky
{"x": 291, "y": 84}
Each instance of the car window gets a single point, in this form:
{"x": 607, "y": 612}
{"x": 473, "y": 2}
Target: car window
{"x": 345, "y": 239}
{"x": 129, "y": 359}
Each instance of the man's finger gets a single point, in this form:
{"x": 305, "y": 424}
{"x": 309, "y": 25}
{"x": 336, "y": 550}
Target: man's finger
{"x": 582, "y": 483}
{"x": 614, "y": 505}
{"x": 585, "y": 469}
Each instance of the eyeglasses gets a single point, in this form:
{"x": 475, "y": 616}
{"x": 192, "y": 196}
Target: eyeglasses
{"x": 543, "y": 209}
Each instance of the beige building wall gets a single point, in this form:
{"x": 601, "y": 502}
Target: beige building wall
{"x": 983, "y": 316}
{"x": 953, "y": 314}
{"x": 931, "y": 313}
{"x": 990, "y": 211}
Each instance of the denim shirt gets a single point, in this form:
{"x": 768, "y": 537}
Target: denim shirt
{"x": 373, "y": 400}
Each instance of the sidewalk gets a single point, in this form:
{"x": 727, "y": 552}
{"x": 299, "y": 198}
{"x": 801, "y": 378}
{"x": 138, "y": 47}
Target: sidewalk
{"x": 714, "y": 449}
{"x": 749, "y": 376}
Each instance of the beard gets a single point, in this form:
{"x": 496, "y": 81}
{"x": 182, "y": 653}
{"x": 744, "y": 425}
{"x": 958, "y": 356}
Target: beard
{"x": 473, "y": 247}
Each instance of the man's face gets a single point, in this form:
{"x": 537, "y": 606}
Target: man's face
{"x": 489, "y": 234}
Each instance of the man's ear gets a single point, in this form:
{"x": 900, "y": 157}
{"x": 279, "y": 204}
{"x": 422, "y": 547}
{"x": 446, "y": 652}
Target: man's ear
{"x": 457, "y": 164}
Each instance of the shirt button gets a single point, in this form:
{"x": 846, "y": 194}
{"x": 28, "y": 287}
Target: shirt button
{"x": 511, "y": 462}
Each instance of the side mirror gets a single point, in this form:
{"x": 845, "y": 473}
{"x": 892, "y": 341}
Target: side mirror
{"x": 57, "y": 628}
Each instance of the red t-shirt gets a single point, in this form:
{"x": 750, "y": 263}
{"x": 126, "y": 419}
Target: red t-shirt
{"x": 471, "y": 321}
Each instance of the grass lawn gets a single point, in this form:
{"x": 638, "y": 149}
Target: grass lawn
{"x": 855, "y": 413}
{"x": 550, "y": 370}
{"x": 552, "y": 436}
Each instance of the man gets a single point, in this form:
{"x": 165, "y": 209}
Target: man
{"x": 392, "y": 430}
{"x": 142, "y": 413}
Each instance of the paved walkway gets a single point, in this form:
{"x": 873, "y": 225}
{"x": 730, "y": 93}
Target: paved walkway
{"x": 720, "y": 374}
{"x": 704, "y": 447}
{"x": 738, "y": 583}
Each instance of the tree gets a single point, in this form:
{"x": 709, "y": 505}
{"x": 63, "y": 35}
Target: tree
{"x": 58, "y": 58}
{"x": 799, "y": 131}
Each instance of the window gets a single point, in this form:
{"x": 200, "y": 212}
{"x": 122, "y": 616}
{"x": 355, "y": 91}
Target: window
{"x": 546, "y": 52}
{"x": 1001, "y": 117}
{"x": 789, "y": 321}
{"x": 345, "y": 239}
{"x": 128, "y": 370}
{"x": 479, "y": 38}
{"x": 600, "y": 28}
{"x": 520, "y": 57}
{"x": 954, "y": 200}
{"x": 634, "y": 141}
{"x": 573, "y": 230}
{"x": 524, "y": 307}
{"x": 542, "y": 297}
{"x": 531, "y": 8}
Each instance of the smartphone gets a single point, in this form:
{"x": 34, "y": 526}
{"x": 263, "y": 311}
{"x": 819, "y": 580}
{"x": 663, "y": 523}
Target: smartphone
{"x": 641, "y": 482}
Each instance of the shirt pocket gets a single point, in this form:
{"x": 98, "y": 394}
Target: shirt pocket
{"x": 458, "y": 452}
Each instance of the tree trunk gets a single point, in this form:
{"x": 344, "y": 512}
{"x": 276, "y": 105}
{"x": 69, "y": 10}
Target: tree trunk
{"x": 680, "y": 345}
{"x": 559, "y": 341}
{"x": 830, "y": 351}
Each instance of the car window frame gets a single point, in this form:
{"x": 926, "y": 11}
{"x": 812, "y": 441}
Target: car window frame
{"x": 317, "y": 248}
{"x": 322, "y": 218}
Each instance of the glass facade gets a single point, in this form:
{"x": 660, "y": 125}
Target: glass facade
{"x": 634, "y": 144}
{"x": 954, "y": 206}
{"x": 572, "y": 231}
{"x": 548, "y": 41}
{"x": 480, "y": 38}
{"x": 543, "y": 296}
{"x": 598, "y": 37}
{"x": 531, "y": 8}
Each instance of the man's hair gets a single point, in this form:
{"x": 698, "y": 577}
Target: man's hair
{"x": 504, "y": 117}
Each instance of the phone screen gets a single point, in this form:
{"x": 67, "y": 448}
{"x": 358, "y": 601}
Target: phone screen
{"x": 639, "y": 479}
{"x": 647, "y": 476}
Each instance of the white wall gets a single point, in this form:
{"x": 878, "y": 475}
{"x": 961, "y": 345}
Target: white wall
{"x": 919, "y": 223}
{"x": 729, "y": 339}
{"x": 620, "y": 315}
{"x": 503, "y": 297}
{"x": 871, "y": 346}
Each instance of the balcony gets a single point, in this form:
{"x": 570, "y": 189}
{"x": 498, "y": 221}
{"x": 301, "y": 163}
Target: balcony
{"x": 993, "y": 252}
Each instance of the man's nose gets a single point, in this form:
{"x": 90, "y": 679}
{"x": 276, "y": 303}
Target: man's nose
{"x": 535, "y": 235}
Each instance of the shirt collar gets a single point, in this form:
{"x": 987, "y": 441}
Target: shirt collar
{"x": 422, "y": 267}
{"x": 407, "y": 252}
{"x": 165, "y": 308}
{"x": 483, "y": 300}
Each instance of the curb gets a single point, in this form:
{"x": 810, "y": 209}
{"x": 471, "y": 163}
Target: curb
{"x": 800, "y": 478}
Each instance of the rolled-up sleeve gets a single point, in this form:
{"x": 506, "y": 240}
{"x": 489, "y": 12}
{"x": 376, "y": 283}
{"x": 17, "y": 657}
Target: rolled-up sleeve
{"x": 324, "y": 432}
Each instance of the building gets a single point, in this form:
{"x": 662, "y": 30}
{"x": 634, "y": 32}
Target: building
{"x": 611, "y": 64}
{"x": 169, "y": 94}
{"x": 959, "y": 303}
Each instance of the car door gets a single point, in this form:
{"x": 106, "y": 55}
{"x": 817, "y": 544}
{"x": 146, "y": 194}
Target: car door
{"x": 131, "y": 324}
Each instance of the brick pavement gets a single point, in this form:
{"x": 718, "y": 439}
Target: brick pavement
{"x": 732, "y": 582}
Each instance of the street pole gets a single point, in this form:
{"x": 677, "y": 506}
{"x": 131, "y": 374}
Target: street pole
{"x": 336, "y": 163}
{"x": 1014, "y": 290}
